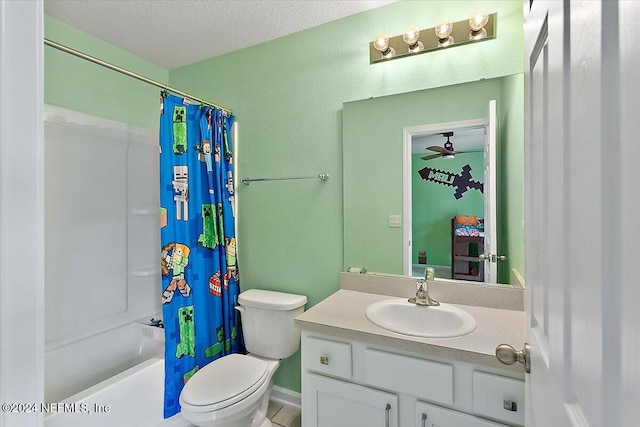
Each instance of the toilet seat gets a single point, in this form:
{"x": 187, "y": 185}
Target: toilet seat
{"x": 223, "y": 383}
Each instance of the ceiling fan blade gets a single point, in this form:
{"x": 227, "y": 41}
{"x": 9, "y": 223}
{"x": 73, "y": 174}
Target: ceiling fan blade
{"x": 433, "y": 156}
{"x": 466, "y": 152}
{"x": 437, "y": 149}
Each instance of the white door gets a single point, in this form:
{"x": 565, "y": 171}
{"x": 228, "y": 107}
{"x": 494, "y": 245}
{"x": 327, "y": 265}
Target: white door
{"x": 489, "y": 188}
{"x": 582, "y": 197}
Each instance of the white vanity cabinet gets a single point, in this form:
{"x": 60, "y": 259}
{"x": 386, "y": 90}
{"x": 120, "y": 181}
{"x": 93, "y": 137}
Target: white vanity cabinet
{"x": 351, "y": 383}
{"x": 428, "y": 415}
{"x": 334, "y": 403}
{"x": 329, "y": 401}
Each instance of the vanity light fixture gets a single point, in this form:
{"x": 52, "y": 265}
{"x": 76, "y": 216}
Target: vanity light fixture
{"x": 411, "y": 37}
{"x": 381, "y": 44}
{"x": 446, "y": 34}
{"x": 477, "y": 22}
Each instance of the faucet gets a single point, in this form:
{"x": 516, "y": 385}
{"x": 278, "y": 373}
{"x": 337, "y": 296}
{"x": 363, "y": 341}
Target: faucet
{"x": 422, "y": 295}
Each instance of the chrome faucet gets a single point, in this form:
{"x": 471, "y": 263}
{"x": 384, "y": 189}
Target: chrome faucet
{"x": 422, "y": 295}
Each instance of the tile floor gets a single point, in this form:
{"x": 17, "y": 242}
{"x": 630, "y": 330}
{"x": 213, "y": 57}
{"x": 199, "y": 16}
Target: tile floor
{"x": 283, "y": 416}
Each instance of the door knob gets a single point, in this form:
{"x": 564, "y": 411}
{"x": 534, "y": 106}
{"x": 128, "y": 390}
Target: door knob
{"x": 492, "y": 257}
{"x": 509, "y": 355}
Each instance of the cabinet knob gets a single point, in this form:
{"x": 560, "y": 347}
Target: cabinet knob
{"x": 424, "y": 420}
{"x": 324, "y": 360}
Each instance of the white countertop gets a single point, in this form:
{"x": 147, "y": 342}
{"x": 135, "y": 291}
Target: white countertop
{"x": 343, "y": 315}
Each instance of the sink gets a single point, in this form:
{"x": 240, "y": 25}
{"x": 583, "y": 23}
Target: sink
{"x": 403, "y": 317}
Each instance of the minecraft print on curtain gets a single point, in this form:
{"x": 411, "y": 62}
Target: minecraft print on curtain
{"x": 200, "y": 282}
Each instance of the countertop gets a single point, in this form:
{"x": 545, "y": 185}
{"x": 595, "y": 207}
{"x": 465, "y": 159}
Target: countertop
{"x": 342, "y": 315}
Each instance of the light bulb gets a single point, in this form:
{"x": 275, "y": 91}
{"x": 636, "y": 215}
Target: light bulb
{"x": 443, "y": 33}
{"x": 381, "y": 44}
{"x": 478, "y": 20}
{"x": 443, "y": 30}
{"x": 411, "y": 35}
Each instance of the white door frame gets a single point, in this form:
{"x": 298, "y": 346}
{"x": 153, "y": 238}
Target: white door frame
{"x": 21, "y": 209}
{"x": 407, "y": 134}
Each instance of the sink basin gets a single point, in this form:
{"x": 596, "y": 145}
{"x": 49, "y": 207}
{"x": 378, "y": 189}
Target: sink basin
{"x": 403, "y": 317}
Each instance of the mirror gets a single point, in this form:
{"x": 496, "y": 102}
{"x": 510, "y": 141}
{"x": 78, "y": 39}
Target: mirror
{"x": 449, "y": 217}
{"x": 377, "y": 214}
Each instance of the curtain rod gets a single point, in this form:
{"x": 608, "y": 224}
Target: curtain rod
{"x": 126, "y": 72}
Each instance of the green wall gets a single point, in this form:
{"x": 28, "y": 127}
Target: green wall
{"x": 511, "y": 176}
{"x": 80, "y": 85}
{"x": 372, "y": 176}
{"x": 433, "y": 205}
{"x": 287, "y": 95}
{"x": 372, "y": 154}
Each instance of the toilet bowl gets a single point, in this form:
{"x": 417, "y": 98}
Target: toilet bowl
{"x": 230, "y": 392}
{"x": 234, "y": 391}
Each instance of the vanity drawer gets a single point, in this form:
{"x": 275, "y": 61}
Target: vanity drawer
{"x": 498, "y": 397}
{"x": 327, "y": 357}
{"x": 434, "y": 416}
{"x": 425, "y": 379}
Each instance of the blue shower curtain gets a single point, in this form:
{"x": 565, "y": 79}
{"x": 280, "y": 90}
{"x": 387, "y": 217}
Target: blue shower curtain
{"x": 200, "y": 282}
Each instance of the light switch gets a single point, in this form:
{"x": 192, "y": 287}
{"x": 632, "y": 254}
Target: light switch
{"x": 395, "y": 221}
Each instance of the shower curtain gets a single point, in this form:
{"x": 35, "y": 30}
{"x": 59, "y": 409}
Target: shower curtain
{"x": 200, "y": 282}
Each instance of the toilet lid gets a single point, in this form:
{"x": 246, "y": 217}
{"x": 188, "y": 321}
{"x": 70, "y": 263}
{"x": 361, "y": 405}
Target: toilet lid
{"x": 224, "y": 382}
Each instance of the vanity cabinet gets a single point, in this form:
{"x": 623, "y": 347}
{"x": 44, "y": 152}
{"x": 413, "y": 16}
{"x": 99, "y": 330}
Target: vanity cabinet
{"x": 436, "y": 416}
{"x": 351, "y": 383}
{"x": 334, "y": 403}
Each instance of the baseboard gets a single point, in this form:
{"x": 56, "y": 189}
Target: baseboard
{"x": 286, "y": 397}
{"x": 517, "y": 281}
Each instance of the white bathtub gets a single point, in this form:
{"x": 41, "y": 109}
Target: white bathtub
{"x": 134, "y": 398}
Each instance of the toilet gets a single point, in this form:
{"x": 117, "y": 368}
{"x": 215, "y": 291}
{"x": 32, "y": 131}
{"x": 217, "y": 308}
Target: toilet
{"x": 233, "y": 391}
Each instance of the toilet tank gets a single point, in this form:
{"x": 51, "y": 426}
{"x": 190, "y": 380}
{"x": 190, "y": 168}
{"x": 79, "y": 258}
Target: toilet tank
{"x": 267, "y": 322}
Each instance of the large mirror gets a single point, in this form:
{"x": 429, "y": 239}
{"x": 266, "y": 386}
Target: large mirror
{"x": 392, "y": 213}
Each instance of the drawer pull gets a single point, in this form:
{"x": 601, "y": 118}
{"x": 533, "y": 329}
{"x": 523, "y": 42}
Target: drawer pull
{"x": 510, "y": 405}
{"x": 387, "y": 415}
{"x": 324, "y": 360}
{"x": 424, "y": 420}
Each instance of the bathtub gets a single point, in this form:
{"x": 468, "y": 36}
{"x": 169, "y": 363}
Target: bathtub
{"x": 133, "y": 398}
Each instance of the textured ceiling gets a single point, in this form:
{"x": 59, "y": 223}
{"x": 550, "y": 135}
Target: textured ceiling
{"x": 180, "y": 32}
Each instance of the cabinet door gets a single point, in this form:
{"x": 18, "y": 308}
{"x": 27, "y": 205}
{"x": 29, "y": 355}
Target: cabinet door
{"x": 328, "y": 402}
{"x": 434, "y": 416}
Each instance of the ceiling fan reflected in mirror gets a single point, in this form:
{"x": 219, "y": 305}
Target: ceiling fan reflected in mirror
{"x": 446, "y": 151}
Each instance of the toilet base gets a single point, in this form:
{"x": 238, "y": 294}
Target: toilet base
{"x": 266, "y": 423}
{"x": 255, "y": 418}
